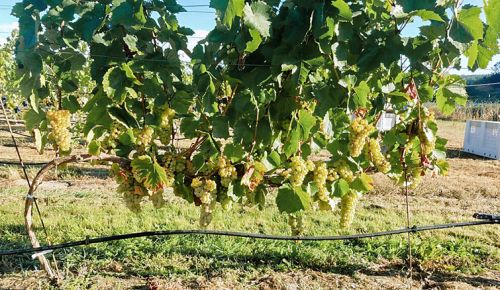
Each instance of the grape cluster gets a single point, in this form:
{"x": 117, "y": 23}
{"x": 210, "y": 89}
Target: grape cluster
{"x": 358, "y": 132}
{"x": 166, "y": 125}
{"x": 332, "y": 174}
{"x": 415, "y": 177}
{"x": 376, "y": 156}
{"x": 132, "y": 191}
{"x": 144, "y": 138}
{"x": 348, "y": 205}
{"x": 206, "y": 191}
{"x": 428, "y": 143}
{"x": 227, "y": 171}
{"x": 111, "y": 139}
{"x": 298, "y": 171}
{"x": 296, "y": 224}
{"x": 60, "y": 124}
{"x": 171, "y": 164}
{"x": 320, "y": 176}
{"x": 344, "y": 171}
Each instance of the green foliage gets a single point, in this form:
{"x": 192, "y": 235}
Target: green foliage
{"x": 272, "y": 83}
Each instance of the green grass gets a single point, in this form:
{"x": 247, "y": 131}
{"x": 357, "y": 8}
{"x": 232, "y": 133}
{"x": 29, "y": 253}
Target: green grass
{"x": 81, "y": 214}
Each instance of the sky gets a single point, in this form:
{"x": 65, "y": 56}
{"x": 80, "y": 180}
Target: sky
{"x": 201, "y": 22}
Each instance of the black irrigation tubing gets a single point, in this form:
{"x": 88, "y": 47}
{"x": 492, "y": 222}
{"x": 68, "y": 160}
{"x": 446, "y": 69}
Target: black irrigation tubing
{"x": 17, "y": 163}
{"x": 90, "y": 241}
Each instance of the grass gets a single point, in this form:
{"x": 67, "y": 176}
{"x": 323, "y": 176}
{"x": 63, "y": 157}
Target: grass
{"x": 91, "y": 207}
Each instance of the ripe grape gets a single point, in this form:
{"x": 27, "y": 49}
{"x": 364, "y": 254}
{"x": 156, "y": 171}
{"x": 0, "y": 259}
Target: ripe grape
{"x": 157, "y": 199}
{"x": 348, "y": 205}
{"x": 344, "y": 171}
{"x": 376, "y": 156}
{"x": 320, "y": 176}
{"x": 166, "y": 125}
{"x": 144, "y": 137}
{"x": 227, "y": 171}
{"x": 296, "y": 224}
{"x": 358, "y": 132}
{"x": 299, "y": 170}
{"x": 60, "y": 124}
{"x": 206, "y": 191}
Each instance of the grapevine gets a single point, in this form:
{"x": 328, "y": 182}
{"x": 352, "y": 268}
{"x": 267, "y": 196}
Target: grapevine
{"x": 273, "y": 85}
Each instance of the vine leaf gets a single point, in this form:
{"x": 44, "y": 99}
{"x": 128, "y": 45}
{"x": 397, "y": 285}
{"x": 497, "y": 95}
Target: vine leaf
{"x": 149, "y": 172}
{"x": 256, "y": 16}
{"x": 344, "y": 10}
{"x": 253, "y": 44}
{"x": 229, "y": 9}
{"x": 292, "y": 199}
{"x": 362, "y": 183}
{"x": 468, "y": 26}
{"x": 448, "y": 97}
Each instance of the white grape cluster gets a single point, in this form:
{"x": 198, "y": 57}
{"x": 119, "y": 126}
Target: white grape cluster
{"x": 348, "y": 205}
{"x": 344, "y": 171}
{"x": 358, "y": 132}
{"x": 298, "y": 170}
{"x": 415, "y": 177}
{"x": 206, "y": 191}
{"x": 170, "y": 165}
{"x": 376, "y": 156}
{"x": 428, "y": 143}
{"x": 227, "y": 171}
{"x": 111, "y": 139}
{"x": 60, "y": 123}
{"x": 132, "y": 192}
{"x": 296, "y": 224}
{"x": 320, "y": 176}
{"x": 166, "y": 125}
{"x": 144, "y": 138}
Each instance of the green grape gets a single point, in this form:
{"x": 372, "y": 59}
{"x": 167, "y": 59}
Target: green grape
{"x": 298, "y": 172}
{"x": 320, "y": 175}
{"x": 376, "y": 156}
{"x": 166, "y": 125}
{"x": 348, "y": 205}
{"x": 227, "y": 171}
{"x": 60, "y": 123}
{"x": 206, "y": 191}
{"x": 145, "y": 137}
{"x": 332, "y": 175}
{"x": 344, "y": 171}
{"x": 358, "y": 132}
{"x": 132, "y": 201}
{"x": 296, "y": 224}
{"x": 157, "y": 199}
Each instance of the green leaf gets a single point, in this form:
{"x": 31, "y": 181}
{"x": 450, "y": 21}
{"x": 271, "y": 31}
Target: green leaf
{"x": 123, "y": 116}
{"x": 292, "y": 199}
{"x": 491, "y": 9}
{"x": 468, "y": 25}
{"x": 256, "y": 17}
{"x": 33, "y": 119}
{"x": 293, "y": 143}
{"x": 271, "y": 160}
{"x": 307, "y": 122}
{"x": 427, "y": 15}
{"x": 234, "y": 152}
{"x": 340, "y": 188}
{"x": 94, "y": 148}
{"x": 230, "y": 9}
{"x": 253, "y": 44}
{"x": 148, "y": 172}
{"x": 220, "y": 127}
{"x": 447, "y": 98}
{"x": 361, "y": 97}
{"x": 344, "y": 9}
{"x": 362, "y": 183}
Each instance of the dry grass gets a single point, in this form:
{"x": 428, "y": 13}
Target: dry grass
{"x": 471, "y": 111}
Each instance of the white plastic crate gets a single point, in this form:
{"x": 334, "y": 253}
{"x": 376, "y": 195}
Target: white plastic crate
{"x": 482, "y": 138}
{"x": 387, "y": 121}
